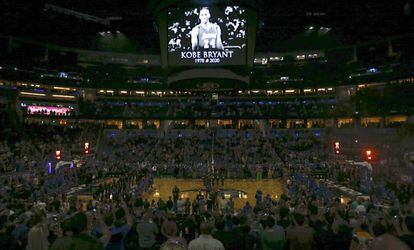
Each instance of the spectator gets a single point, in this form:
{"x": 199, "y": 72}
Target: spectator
{"x": 407, "y": 231}
{"x": 189, "y": 228}
{"x": 223, "y": 236}
{"x": 78, "y": 226}
{"x": 5, "y": 238}
{"x": 385, "y": 238}
{"x": 119, "y": 229}
{"x": 273, "y": 236}
{"x": 300, "y": 236}
{"x": 147, "y": 232}
{"x": 205, "y": 240}
{"x": 38, "y": 234}
{"x": 21, "y": 231}
{"x": 169, "y": 226}
{"x": 169, "y": 230}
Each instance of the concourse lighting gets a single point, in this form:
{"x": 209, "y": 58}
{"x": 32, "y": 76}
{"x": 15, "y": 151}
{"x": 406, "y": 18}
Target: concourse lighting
{"x": 64, "y": 96}
{"x": 63, "y": 88}
{"x": 32, "y": 94}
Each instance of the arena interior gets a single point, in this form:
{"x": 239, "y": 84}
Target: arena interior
{"x": 206, "y": 124}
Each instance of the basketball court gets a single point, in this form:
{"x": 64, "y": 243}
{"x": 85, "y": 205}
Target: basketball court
{"x": 241, "y": 190}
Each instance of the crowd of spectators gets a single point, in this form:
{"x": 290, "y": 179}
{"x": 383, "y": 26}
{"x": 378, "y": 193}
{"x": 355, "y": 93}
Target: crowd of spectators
{"x": 42, "y": 110}
{"x": 269, "y": 109}
{"x": 120, "y": 109}
{"x": 308, "y": 216}
{"x": 31, "y": 145}
{"x": 236, "y": 154}
{"x": 100, "y": 200}
{"x": 207, "y": 108}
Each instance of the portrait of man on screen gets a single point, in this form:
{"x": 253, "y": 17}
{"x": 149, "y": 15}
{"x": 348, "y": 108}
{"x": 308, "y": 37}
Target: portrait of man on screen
{"x": 206, "y": 35}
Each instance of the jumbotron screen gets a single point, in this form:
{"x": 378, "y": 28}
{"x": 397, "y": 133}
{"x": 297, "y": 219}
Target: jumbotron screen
{"x": 207, "y": 36}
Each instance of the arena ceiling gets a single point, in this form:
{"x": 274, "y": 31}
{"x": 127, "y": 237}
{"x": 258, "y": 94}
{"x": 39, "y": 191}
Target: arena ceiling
{"x": 282, "y": 25}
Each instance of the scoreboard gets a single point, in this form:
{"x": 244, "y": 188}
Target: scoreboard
{"x": 207, "y": 36}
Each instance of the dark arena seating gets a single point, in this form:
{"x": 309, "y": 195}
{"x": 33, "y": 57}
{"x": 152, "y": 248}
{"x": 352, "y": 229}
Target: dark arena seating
{"x": 207, "y": 125}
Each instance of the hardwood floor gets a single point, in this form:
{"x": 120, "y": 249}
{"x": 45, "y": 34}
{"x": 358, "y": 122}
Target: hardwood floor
{"x": 163, "y": 188}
